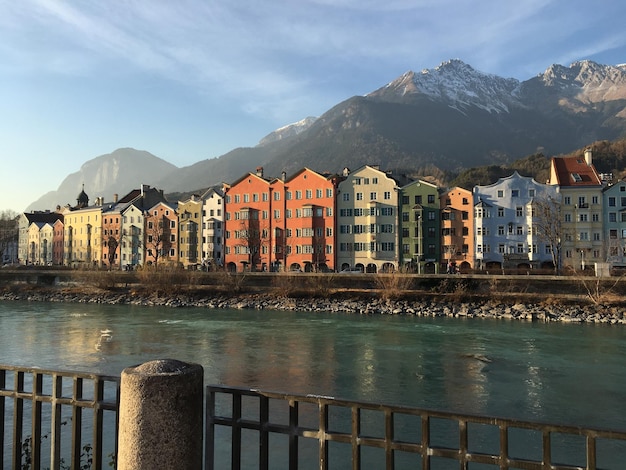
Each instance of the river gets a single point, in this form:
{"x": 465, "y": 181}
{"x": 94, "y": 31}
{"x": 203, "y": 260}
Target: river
{"x": 561, "y": 373}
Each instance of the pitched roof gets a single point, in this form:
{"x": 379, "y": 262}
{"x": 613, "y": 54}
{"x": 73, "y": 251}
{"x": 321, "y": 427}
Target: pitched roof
{"x": 574, "y": 171}
{"x": 45, "y": 217}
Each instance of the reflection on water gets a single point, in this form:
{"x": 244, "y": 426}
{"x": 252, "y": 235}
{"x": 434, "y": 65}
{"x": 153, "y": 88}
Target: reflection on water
{"x": 570, "y": 374}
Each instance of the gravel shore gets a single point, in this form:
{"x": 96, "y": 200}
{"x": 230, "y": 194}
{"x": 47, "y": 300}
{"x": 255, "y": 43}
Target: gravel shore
{"x": 361, "y": 305}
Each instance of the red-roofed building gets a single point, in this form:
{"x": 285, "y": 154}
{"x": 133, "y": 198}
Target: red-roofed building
{"x": 581, "y": 190}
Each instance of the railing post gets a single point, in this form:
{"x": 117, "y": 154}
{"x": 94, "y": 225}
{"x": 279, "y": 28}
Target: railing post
{"x": 160, "y": 417}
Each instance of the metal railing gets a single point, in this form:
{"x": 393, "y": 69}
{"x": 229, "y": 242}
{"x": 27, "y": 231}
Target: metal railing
{"x": 44, "y": 425}
{"x": 48, "y": 419}
{"x": 382, "y": 436}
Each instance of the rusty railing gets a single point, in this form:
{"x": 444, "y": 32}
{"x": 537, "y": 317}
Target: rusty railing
{"x": 357, "y": 435}
{"x": 47, "y": 411}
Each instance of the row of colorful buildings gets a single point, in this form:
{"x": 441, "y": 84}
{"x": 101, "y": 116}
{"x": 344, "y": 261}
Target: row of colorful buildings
{"x": 367, "y": 220}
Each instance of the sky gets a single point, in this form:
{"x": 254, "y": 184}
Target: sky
{"x": 189, "y": 80}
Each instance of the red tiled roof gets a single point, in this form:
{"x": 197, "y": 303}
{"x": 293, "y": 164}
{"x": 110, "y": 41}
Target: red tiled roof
{"x": 574, "y": 171}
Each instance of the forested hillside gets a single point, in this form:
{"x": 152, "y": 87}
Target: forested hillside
{"x": 608, "y": 157}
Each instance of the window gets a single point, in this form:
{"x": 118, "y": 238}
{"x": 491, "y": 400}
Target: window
{"x": 288, "y": 195}
{"x": 583, "y": 236}
{"x": 418, "y": 199}
{"x": 500, "y": 193}
{"x": 246, "y": 198}
{"x": 387, "y": 195}
{"x": 612, "y": 217}
{"x": 515, "y": 193}
{"x": 329, "y": 192}
{"x": 345, "y": 196}
{"x": 359, "y": 196}
{"x": 611, "y": 202}
{"x": 568, "y": 218}
{"x": 501, "y": 248}
{"x": 276, "y": 196}
{"x": 405, "y": 200}
{"x": 372, "y": 196}
{"x": 500, "y": 211}
{"x": 519, "y": 211}
{"x": 500, "y": 229}
{"x": 567, "y": 200}
{"x": 594, "y": 199}
{"x": 431, "y": 215}
{"x": 298, "y": 194}
{"x": 582, "y": 217}
{"x": 318, "y": 193}
{"x": 531, "y": 193}
{"x": 308, "y": 194}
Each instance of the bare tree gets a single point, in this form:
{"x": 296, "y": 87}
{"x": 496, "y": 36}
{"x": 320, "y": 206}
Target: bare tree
{"x": 548, "y": 222}
{"x": 9, "y": 231}
{"x": 157, "y": 241}
{"x": 112, "y": 242}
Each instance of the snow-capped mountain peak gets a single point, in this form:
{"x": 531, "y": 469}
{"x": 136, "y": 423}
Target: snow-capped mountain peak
{"x": 457, "y": 83}
{"x": 288, "y": 131}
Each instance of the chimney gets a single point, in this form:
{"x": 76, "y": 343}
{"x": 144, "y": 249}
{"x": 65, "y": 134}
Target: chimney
{"x": 144, "y": 188}
{"x": 346, "y": 171}
{"x": 259, "y": 171}
{"x": 283, "y": 175}
{"x": 588, "y": 158}
{"x": 115, "y": 197}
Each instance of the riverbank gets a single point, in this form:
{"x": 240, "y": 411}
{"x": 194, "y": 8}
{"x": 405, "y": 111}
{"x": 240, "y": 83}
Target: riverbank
{"x": 362, "y": 303}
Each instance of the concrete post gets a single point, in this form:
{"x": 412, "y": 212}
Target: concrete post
{"x": 161, "y": 415}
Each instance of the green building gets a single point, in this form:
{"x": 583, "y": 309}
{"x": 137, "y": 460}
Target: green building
{"x": 420, "y": 227}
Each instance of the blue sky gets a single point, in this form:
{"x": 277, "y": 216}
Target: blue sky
{"x": 189, "y": 80}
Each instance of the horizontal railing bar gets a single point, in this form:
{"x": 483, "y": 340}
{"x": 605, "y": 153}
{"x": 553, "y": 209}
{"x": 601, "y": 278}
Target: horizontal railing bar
{"x": 421, "y": 412}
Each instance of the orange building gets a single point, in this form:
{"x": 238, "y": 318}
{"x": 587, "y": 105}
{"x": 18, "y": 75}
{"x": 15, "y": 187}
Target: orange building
{"x": 162, "y": 234}
{"x": 111, "y": 235}
{"x": 279, "y": 224}
{"x": 248, "y": 222}
{"x": 310, "y": 221}
{"x": 457, "y": 229}
{"x": 57, "y": 242}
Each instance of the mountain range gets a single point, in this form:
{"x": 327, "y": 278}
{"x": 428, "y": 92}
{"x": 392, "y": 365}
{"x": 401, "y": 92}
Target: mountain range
{"x": 435, "y": 122}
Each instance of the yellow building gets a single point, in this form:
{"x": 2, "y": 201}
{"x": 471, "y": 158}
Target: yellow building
{"x": 83, "y": 233}
{"x": 582, "y": 238}
{"x": 190, "y": 230}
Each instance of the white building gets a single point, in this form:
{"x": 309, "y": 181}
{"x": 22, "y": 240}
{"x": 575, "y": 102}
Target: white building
{"x": 505, "y": 224}
{"x": 213, "y": 228}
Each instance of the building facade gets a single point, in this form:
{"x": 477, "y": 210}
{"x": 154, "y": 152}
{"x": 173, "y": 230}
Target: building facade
{"x": 367, "y": 221}
{"x": 309, "y": 222}
{"x": 457, "y": 229}
{"x": 581, "y": 187}
{"x": 505, "y": 223}
{"x": 420, "y": 226}
{"x": 213, "y": 228}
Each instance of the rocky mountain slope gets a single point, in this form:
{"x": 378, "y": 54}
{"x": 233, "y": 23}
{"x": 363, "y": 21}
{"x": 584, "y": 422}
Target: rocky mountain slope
{"x": 116, "y": 173}
{"x": 440, "y": 120}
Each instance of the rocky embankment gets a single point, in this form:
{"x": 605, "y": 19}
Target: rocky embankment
{"x": 363, "y": 305}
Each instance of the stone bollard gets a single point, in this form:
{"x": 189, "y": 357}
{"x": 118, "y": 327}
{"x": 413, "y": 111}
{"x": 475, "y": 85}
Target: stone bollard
{"x": 160, "y": 416}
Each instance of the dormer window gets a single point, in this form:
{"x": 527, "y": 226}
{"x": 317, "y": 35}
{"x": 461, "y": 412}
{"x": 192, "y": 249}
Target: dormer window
{"x": 576, "y": 177}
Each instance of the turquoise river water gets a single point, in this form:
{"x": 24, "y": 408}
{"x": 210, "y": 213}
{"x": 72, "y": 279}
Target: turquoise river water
{"x": 560, "y": 373}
